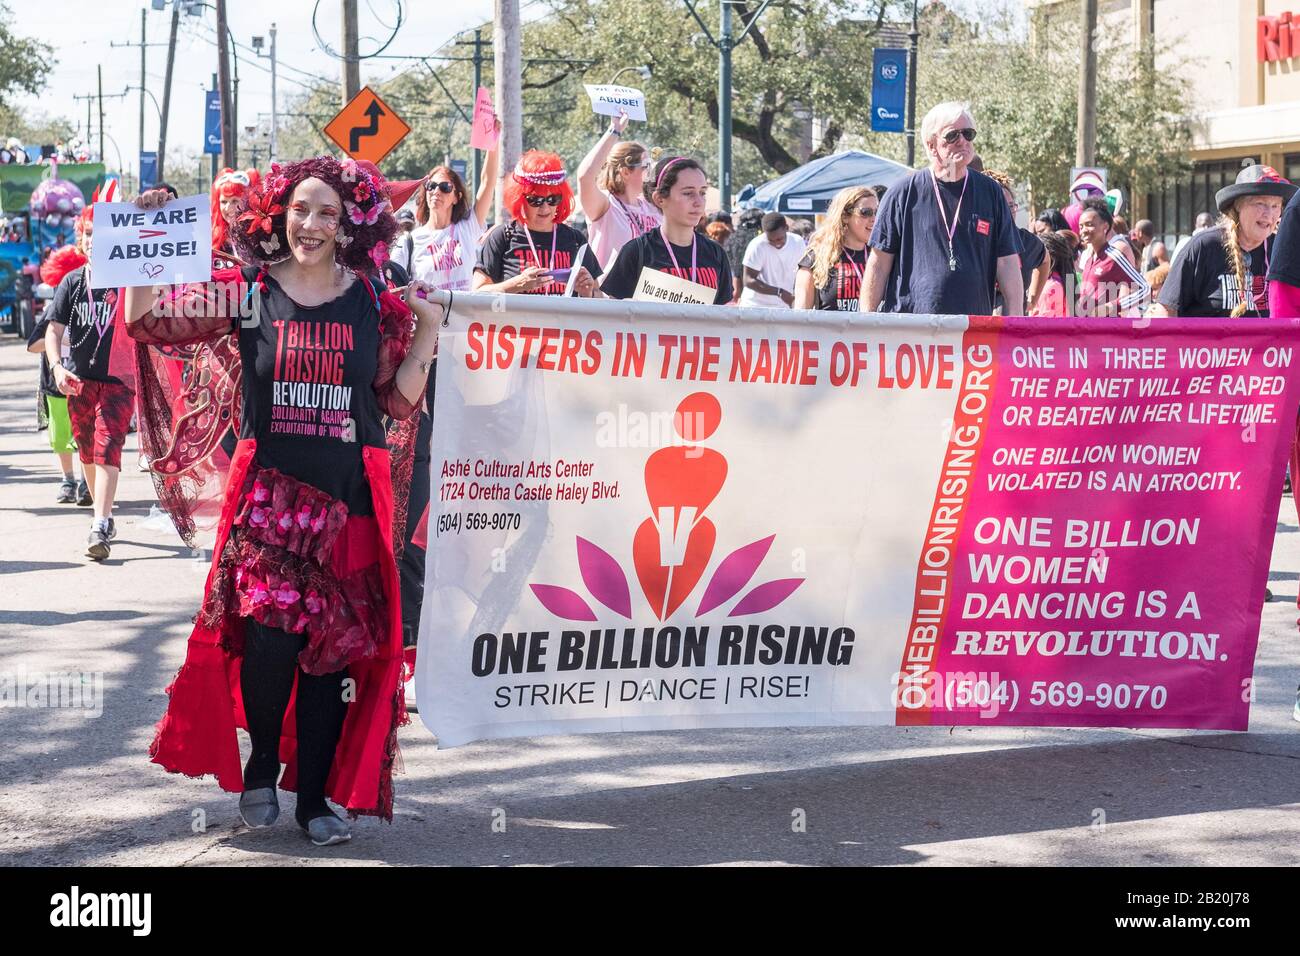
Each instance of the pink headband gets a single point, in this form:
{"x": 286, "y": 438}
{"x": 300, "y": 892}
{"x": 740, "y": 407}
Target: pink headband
{"x": 549, "y": 178}
{"x": 667, "y": 166}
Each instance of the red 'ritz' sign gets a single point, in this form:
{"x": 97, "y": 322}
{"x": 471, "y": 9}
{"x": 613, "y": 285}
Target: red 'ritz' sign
{"x": 1277, "y": 38}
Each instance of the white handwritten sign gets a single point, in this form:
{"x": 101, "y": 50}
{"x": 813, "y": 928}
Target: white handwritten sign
{"x": 133, "y": 246}
{"x": 610, "y": 100}
{"x": 652, "y": 285}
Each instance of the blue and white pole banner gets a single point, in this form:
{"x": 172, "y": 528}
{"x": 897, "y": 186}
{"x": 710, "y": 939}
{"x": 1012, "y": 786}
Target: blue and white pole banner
{"x": 212, "y": 123}
{"x": 148, "y": 168}
{"x": 888, "y": 90}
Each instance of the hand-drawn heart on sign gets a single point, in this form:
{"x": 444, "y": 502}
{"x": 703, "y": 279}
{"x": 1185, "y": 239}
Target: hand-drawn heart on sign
{"x": 483, "y": 134}
{"x": 169, "y": 244}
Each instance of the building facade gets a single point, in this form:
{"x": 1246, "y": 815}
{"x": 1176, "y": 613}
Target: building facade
{"x": 1243, "y": 60}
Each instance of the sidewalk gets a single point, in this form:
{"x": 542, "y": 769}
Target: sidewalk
{"x": 80, "y": 790}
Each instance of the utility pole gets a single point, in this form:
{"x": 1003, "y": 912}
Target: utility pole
{"x": 274, "y": 119}
{"x": 223, "y": 78}
{"x": 143, "y": 20}
{"x": 1085, "y": 152}
{"x": 222, "y": 127}
{"x": 167, "y": 91}
{"x": 100, "y": 70}
{"x": 725, "y": 43}
{"x": 913, "y": 37}
{"x": 351, "y": 61}
{"x": 507, "y": 69}
{"x": 477, "y": 43}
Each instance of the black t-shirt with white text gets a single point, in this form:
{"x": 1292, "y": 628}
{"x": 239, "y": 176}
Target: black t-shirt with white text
{"x": 843, "y": 286}
{"x": 910, "y": 227}
{"x": 308, "y": 395}
{"x": 1285, "y": 257}
{"x": 648, "y": 251}
{"x": 1201, "y": 282}
{"x": 505, "y": 253}
{"x": 89, "y": 330}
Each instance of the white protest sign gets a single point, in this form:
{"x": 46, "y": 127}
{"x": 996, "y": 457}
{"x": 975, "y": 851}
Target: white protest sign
{"x": 610, "y": 100}
{"x": 652, "y": 285}
{"x": 167, "y": 245}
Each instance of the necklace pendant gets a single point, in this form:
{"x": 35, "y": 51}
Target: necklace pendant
{"x": 952, "y": 263}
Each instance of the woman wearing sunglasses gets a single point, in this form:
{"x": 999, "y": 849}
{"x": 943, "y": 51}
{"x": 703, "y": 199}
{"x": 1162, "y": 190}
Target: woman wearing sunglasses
{"x": 534, "y": 252}
{"x": 830, "y": 273}
{"x": 445, "y": 239}
{"x": 610, "y": 181}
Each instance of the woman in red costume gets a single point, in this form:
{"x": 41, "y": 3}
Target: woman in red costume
{"x": 299, "y": 634}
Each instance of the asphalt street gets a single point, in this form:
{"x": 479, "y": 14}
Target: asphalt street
{"x": 76, "y": 789}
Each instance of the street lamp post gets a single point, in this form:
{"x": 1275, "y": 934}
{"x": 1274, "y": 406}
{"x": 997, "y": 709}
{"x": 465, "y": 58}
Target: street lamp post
{"x": 913, "y": 37}
{"x": 257, "y": 48}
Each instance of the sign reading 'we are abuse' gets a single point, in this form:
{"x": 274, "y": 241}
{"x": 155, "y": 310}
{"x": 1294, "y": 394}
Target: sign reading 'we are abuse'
{"x": 167, "y": 245}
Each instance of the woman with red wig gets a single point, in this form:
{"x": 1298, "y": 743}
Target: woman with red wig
{"x": 299, "y": 631}
{"x": 534, "y": 253}
{"x": 229, "y": 195}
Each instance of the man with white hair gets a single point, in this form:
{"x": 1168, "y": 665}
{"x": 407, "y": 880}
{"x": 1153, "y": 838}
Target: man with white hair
{"x": 944, "y": 235}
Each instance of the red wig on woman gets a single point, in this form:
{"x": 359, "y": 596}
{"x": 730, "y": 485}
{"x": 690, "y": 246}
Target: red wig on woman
{"x": 538, "y": 174}
{"x": 230, "y": 184}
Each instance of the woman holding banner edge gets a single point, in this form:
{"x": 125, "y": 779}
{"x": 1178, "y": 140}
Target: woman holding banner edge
{"x": 302, "y": 598}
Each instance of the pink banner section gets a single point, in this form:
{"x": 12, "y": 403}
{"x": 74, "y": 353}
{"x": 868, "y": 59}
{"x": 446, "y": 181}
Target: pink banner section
{"x": 1100, "y": 542}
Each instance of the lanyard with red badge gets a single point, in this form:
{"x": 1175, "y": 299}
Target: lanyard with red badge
{"x": 951, "y": 230}
{"x": 671, "y": 255}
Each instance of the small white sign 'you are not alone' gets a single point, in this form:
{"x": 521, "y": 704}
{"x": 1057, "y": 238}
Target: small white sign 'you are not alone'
{"x": 167, "y": 245}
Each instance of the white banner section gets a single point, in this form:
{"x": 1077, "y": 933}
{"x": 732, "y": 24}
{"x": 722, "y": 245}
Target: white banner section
{"x": 652, "y": 517}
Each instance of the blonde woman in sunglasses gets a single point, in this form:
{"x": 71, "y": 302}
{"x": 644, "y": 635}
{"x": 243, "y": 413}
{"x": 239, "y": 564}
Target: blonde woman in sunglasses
{"x": 611, "y": 180}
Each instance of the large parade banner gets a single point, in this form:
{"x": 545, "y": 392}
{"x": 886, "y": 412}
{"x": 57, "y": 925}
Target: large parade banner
{"x": 657, "y": 517}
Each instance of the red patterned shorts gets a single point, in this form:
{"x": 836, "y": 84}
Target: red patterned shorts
{"x": 100, "y": 416}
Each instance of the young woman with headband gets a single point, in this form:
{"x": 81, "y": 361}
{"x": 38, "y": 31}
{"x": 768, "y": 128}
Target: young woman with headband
{"x": 830, "y": 273}
{"x": 610, "y": 182}
{"x": 680, "y": 190}
{"x": 534, "y": 252}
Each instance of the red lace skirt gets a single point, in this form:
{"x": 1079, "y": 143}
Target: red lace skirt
{"x": 296, "y": 560}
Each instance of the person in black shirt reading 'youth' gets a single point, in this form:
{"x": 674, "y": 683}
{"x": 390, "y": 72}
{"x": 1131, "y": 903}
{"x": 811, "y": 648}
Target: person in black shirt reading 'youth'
{"x": 535, "y": 252}
{"x": 944, "y": 234}
{"x": 1209, "y": 273}
{"x": 830, "y": 273}
{"x": 679, "y": 190}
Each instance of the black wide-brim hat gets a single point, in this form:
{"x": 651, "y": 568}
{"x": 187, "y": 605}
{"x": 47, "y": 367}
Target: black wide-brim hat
{"x": 1255, "y": 181}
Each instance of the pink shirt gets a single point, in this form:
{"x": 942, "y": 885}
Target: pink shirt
{"x": 622, "y": 222}
{"x": 1051, "y": 300}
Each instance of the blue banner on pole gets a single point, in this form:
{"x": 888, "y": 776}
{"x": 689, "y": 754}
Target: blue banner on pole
{"x": 888, "y": 90}
{"x": 212, "y": 123}
{"x": 148, "y": 168}
{"x": 460, "y": 167}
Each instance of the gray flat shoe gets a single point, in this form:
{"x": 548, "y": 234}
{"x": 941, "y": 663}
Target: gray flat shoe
{"x": 328, "y": 830}
{"x": 259, "y": 808}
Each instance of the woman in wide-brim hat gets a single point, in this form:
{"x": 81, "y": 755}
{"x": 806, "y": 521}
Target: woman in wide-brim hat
{"x": 1222, "y": 271}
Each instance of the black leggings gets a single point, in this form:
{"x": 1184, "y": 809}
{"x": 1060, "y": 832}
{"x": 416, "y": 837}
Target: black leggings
{"x": 266, "y": 679}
